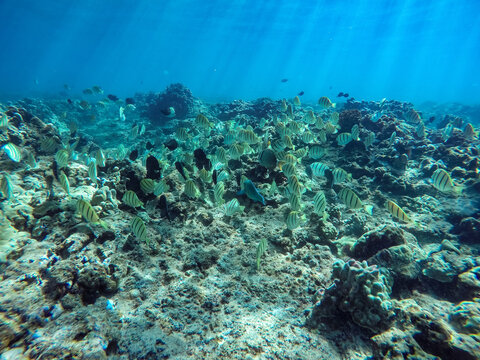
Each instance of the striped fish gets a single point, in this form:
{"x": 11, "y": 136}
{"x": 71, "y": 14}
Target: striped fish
{"x": 325, "y": 103}
{"x": 355, "y": 132}
{"x": 230, "y": 138}
{"x": 322, "y": 136}
{"x": 139, "y": 229}
{"x": 340, "y": 175}
{"x": 318, "y": 168}
{"x": 319, "y": 123}
{"x": 232, "y": 207}
{"x": 391, "y": 141}
{"x": 288, "y": 170}
{"x": 287, "y": 141}
{"x": 262, "y": 246}
{"x": 277, "y": 145}
{"x": 89, "y": 214}
{"x": 100, "y": 157}
{"x": 352, "y": 201}
{"x": 190, "y": 189}
{"x": 319, "y": 203}
{"x": 64, "y": 183}
{"x": 49, "y": 144}
{"x": 344, "y": 138}
{"x": 469, "y": 132}
{"x": 295, "y": 203}
{"x": 290, "y": 159}
{"x": 3, "y": 122}
{"x": 294, "y": 220}
{"x": 236, "y": 151}
{"x": 62, "y": 157}
{"x": 335, "y": 118}
{"x": 296, "y": 101}
{"x": 203, "y": 122}
{"x": 222, "y": 175}
{"x": 181, "y": 134}
{"x": 330, "y": 128}
{"x": 443, "y": 182}
{"x": 13, "y": 152}
{"x": 420, "y": 130}
{"x": 284, "y": 105}
{"x": 218, "y": 191}
{"x": 147, "y": 186}
{"x": 316, "y": 152}
{"x": 413, "y": 116}
{"x": 301, "y": 152}
{"x": 6, "y": 187}
{"x": 295, "y": 128}
{"x": 294, "y": 185}
{"x": 248, "y": 136}
{"x": 369, "y": 139}
{"x": 447, "y": 132}
{"x": 160, "y": 188}
{"x": 289, "y": 111}
{"x": 205, "y": 175}
{"x": 92, "y": 170}
{"x": 309, "y": 117}
{"x": 131, "y": 199}
{"x": 397, "y": 211}
{"x": 221, "y": 155}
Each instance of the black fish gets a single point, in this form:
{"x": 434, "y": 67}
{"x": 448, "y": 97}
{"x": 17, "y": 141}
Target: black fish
{"x": 70, "y": 101}
{"x": 171, "y": 144}
{"x": 201, "y": 160}
{"x": 133, "y": 155}
{"x": 214, "y": 177}
{"x": 301, "y": 93}
{"x": 329, "y": 177}
{"x": 166, "y": 111}
{"x": 179, "y": 167}
{"x": 129, "y": 101}
{"x": 340, "y": 94}
{"x": 284, "y": 80}
{"x": 346, "y": 95}
{"x": 153, "y": 168}
{"x": 164, "y": 206}
{"x": 112, "y": 97}
{"x": 149, "y": 145}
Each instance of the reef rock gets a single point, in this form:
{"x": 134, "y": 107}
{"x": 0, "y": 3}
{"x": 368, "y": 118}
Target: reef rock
{"x": 360, "y": 290}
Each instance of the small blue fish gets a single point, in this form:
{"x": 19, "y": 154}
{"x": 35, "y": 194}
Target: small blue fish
{"x": 251, "y": 191}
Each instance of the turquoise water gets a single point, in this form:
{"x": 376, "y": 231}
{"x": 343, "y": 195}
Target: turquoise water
{"x": 222, "y": 50}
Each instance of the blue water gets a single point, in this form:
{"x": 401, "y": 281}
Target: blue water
{"x": 223, "y": 50}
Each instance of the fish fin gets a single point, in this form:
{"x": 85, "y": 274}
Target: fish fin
{"x": 241, "y": 208}
{"x": 369, "y": 209}
{"x": 104, "y": 224}
{"x": 458, "y": 189}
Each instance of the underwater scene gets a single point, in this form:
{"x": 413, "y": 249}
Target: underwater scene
{"x": 239, "y": 180}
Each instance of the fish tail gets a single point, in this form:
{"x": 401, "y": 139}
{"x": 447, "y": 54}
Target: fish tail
{"x": 369, "y": 209}
{"x": 458, "y": 189}
{"x": 104, "y": 224}
{"x": 334, "y": 105}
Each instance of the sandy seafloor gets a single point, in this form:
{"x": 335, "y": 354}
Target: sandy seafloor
{"x": 347, "y": 285}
